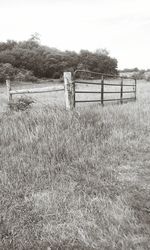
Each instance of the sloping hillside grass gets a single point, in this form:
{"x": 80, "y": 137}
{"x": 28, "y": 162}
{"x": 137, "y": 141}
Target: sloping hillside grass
{"x": 76, "y": 180}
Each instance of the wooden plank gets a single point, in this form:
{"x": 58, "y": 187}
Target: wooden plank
{"x": 127, "y": 85}
{"x": 83, "y": 82}
{"x": 107, "y": 84}
{"x": 118, "y": 92}
{"x": 88, "y": 92}
{"x": 88, "y": 101}
{"x": 109, "y": 100}
{"x": 37, "y": 90}
{"x": 100, "y": 74}
{"x": 95, "y": 73}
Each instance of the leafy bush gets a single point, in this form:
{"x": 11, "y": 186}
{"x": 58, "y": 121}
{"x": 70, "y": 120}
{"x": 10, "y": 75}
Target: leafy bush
{"x": 7, "y": 71}
{"x": 13, "y": 73}
{"x": 21, "y": 104}
{"x": 25, "y": 75}
{"x": 147, "y": 75}
{"x": 139, "y": 75}
{"x": 148, "y": 78}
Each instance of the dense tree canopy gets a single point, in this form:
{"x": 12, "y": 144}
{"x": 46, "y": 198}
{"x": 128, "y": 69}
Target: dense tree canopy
{"x": 44, "y": 62}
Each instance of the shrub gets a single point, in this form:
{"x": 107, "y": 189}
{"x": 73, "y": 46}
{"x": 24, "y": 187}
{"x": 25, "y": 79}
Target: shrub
{"x": 148, "y": 78}
{"x": 139, "y": 75}
{"x": 7, "y": 70}
{"x": 21, "y": 104}
{"x": 25, "y": 75}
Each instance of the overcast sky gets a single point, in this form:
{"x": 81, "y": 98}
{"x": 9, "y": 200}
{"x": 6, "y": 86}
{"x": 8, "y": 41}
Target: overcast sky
{"x": 120, "y": 26}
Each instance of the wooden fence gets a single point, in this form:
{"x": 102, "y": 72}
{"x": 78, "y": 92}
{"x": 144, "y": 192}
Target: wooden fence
{"x": 105, "y": 80}
{"x": 70, "y": 90}
{"x": 11, "y": 92}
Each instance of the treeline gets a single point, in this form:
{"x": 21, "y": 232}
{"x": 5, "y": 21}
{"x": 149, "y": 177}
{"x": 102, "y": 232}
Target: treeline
{"x": 29, "y": 60}
{"x": 134, "y": 70}
{"x": 139, "y": 74}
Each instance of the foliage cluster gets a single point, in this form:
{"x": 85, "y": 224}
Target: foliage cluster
{"x": 14, "y": 73}
{"x": 139, "y": 74}
{"x": 21, "y": 104}
{"x": 31, "y": 58}
{"x": 130, "y": 70}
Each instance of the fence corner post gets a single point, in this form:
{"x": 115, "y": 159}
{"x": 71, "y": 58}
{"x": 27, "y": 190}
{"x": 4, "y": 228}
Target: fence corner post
{"x": 8, "y": 85}
{"x": 69, "y": 91}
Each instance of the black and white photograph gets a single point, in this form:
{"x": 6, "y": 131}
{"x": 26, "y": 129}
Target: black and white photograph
{"x": 74, "y": 125}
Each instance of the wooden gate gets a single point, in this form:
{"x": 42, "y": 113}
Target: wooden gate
{"x": 105, "y": 87}
{"x": 110, "y": 88}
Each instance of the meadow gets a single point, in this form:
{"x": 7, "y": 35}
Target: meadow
{"x": 75, "y": 180}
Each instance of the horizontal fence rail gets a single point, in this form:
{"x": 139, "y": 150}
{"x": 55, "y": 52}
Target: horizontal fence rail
{"x": 99, "y": 74}
{"x": 98, "y": 92}
{"x": 88, "y": 92}
{"x": 109, "y": 100}
{"x": 36, "y": 90}
{"x": 11, "y": 92}
{"x": 88, "y": 101}
{"x": 105, "y": 84}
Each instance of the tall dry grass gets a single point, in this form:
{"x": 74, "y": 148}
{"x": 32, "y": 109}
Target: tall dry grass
{"x": 77, "y": 180}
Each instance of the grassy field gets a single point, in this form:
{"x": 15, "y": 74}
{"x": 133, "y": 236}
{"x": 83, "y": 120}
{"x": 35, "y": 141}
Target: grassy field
{"x": 76, "y": 180}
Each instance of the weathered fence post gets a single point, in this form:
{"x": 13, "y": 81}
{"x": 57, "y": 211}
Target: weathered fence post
{"x": 121, "y": 91}
{"x": 69, "y": 91}
{"x": 102, "y": 90}
{"x": 8, "y": 85}
{"x": 135, "y": 89}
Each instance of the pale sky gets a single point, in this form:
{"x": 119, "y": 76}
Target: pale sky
{"x": 120, "y": 26}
